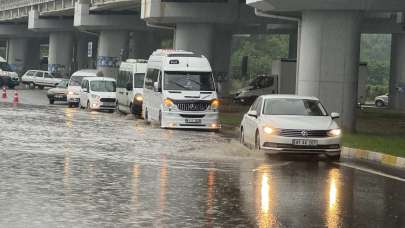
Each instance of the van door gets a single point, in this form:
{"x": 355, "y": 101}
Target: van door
{"x": 121, "y": 84}
{"x": 129, "y": 94}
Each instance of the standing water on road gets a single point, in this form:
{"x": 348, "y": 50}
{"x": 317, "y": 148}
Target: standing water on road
{"x": 62, "y": 167}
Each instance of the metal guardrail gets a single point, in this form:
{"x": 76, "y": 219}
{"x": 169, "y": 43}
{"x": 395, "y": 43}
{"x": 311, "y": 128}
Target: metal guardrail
{"x": 14, "y": 9}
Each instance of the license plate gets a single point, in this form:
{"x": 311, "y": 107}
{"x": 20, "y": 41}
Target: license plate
{"x": 305, "y": 142}
{"x": 193, "y": 121}
{"x": 108, "y": 103}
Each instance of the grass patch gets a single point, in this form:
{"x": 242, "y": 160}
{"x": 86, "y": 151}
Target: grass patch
{"x": 380, "y": 130}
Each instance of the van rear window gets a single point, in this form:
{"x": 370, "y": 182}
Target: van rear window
{"x": 76, "y": 81}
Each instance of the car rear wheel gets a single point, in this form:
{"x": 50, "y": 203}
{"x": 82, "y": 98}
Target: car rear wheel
{"x": 88, "y": 106}
{"x": 379, "y": 103}
{"x": 31, "y": 85}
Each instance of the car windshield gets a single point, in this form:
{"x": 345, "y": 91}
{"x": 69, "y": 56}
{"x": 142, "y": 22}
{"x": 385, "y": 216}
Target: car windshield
{"x": 296, "y": 107}
{"x": 102, "y": 86}
{"x": 76, "y": 80}
{"x": 63, "y": 84}
{"x": 5, "y": 67}
{"x": 192, "y": 81}
{"x": 139, "y": 78}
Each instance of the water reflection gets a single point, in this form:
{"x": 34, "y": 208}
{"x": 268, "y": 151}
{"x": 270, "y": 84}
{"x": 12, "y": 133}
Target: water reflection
{"x": 135, "y": 184}
{"x": 163, "y": 184}
{"x": 69, "y": 113}
{"x": 210, "y": 196}
{"x": 265, "y": 197}
{"x": 333, "y": 213}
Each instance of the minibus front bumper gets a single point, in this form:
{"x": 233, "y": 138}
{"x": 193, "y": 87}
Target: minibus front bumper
{"x": 190, "y": 120}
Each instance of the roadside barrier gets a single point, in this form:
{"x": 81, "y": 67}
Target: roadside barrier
{"x": 15, "y": 100}
{"x": 4, "y": 93}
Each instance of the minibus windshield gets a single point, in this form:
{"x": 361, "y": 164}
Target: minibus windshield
{"x": 191, "y": 81}
{"x": 103, "y": 86}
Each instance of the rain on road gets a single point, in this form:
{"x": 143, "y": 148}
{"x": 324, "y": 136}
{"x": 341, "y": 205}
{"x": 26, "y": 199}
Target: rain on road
{"x": 62, "y": 167}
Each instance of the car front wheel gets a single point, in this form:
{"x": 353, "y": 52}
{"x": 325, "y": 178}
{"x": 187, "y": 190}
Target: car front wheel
{"x": 257, "y": 142}
{"x": 242, "y": 137}
{"x": 379, "y": 104}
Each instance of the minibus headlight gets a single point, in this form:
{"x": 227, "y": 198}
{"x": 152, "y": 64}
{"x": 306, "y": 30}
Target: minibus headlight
{"x": 215, "y": 103}
{"x": 168, "y": 103}
{"x": 335, "y": 132}
{"x": 95, "y": 97}
{"x": 138, "y": 98}
{"x": 71, "y": 93}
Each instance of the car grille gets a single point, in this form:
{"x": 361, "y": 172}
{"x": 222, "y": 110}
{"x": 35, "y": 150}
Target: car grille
{"x": 303, "y": 133}
{"x": 192, "y": 116}
{"x": 107, "y": 99}
{"x": 192, "y": 106}
{"x": 290, "y": 146}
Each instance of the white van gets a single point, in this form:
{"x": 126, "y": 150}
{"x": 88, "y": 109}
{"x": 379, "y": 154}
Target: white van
{"x": 179, "y": 91}
{"x": 98, "y": 93}
{"x": 75, "y": 82}
{"x": 7, "y": 76}
{"x": 130, "y": 82}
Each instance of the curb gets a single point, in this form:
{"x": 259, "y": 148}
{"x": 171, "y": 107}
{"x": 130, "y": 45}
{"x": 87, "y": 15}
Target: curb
{"x": 384, "y": 159}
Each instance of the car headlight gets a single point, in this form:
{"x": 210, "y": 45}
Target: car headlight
{"x": 335, "y": 132}
{"x": 168, "y": 103}
{"x": 268, "y": 130}
{"x": 71, "y": 93}
{"x": 215, "y": 103}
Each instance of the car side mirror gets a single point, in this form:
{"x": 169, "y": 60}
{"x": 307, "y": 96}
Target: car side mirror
{"x": 156, "y": 87}
{"x": 252, "y": 113}
{"x": 129, "y": 87}
{"x": 335, "y": 115}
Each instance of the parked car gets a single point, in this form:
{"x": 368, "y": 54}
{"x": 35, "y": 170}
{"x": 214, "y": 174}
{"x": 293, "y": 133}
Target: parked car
{"x": 59, "y": 93}
{"x": 98, "y": 93}
{"x": 130, "y": 86}
{"x": 261, "y": 85}
{"x": 288, "y": 124}
{"x": 381, "y": 101}
{"x": 180, "y": 91}
{"x": 75, "y": 82}
{"x": 40, "y": 79}
{"x": 8, "y": 77}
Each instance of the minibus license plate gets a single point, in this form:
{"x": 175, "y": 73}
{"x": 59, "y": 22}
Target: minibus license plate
{"x": 193, "y": 121}
{"x": 305, "y": 142}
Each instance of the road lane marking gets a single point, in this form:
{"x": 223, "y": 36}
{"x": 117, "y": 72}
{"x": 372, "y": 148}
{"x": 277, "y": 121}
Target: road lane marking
{"x": 370, "y": 171}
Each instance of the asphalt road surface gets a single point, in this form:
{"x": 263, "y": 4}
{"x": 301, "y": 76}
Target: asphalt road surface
{"x": 62, "y": 167}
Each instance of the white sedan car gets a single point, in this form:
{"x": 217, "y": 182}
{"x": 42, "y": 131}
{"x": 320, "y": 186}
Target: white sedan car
{"x": 291, "y": 124}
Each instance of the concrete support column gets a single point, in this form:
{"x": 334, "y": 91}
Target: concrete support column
{"x": 397, "y": 77}
{"x": 60, "y": 53}
{"x": 293, "y": 48}
{"x": 143, "y": 44}
{"x": 220, "y": 61}
{"x": 17, "y": 54}
{"x": 329, "y": 60}
{"x": 34, "y": 54}
{"x": 195, "y": 37}
{"x": 82, "y": 53}
{"x": 112, "y": 45}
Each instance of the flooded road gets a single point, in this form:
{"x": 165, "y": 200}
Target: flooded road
{"x": 63, "y": 167}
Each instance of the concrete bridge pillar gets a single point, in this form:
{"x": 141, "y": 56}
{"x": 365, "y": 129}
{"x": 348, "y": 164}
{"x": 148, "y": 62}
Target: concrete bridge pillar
{"x": 397, "y": 78}
{"x": 60, "y": 53}
{"x": 17, "y": 54}
{"x": 329, "y": 60}
{"x": 143, "y": 43}
{"x": 194, "y": 37}
{"x": 82, "y": 53}
{"x": 112, "y": 47}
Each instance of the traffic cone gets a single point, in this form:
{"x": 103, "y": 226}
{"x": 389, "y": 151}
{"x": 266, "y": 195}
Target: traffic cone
{"x": 15, "y": 100}
{"x": 4, "y": 93}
